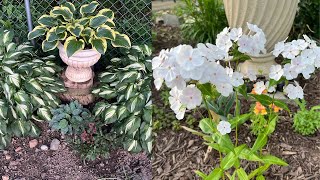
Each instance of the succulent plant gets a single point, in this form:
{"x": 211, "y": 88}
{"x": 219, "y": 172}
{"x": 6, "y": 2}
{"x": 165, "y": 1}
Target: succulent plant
{"x": 70, "y": 118}
{"x": 79, "y": 30}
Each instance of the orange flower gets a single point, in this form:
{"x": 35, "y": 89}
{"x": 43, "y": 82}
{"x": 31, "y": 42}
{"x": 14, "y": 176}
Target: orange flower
{"x": 254, "y": 92}
{"x": 275, "y": 108}
{"x": 260, "y": 109}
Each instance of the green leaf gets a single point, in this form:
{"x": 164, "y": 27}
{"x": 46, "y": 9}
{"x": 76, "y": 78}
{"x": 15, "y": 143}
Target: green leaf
{"x": 243, "y": 90}
{"x": 65, "y": 12}
{"x": 4, "y": 141}
{"x": 100, "y": 107}
{"x": 242, "y": 174}
{"x": 105, "y": 31}
{"x": 107, "y": 12}
{"x": 260, "y": 177}
{"x": 23, "y": 111}
{"x": 130, "y": 91}
{"x": 7, "y": 69}
{"x": 20, "y": 127}
{"x": 107, "y": 93}
{"x": 75, "y": 30}
{"x": 281, "y": 104}
{"x": 207, "y": 90}
{"x": 122, "y": 112}
{"x": 228, "y": 161}
{"x": 49, "y": 46}
{"x": 36, "y": 100}
{"x": 269, "y": 159}
{"x": 87, "y": 32}
{"x": 21, "y": 97}
{"x": 33, "y": 86}
{"x": 136, "y": 103}
{"x": 63, "y": 124}
{"x": 44, "y": 113}
{"x": 265, "y": 100}
{"x": 83, "y": 21}
{"x": 46, "y": 20}
{"x": 258, "y": 171}
{"x": 14, "y": 79}
{"x": 132, "y": 124}
{"x": 97, "y": 21}
{"x": 110, "y": 114}
{"x": 70, "y": 6}
{"x": 201, "y": 174}
{"x": 88, "y": 8}
{"x": 52, "y": 36}
{"x": 260, "y": 142}
{"x": 247, "y": 154}
{"x": 224, "y": 141}
{"x": 99, "y": 44}
{"x": 3, "y": 109}
{"x": 239, "y": 120}
{"x": 60, "y": 29}
{"x": 132, "y": 145}
{"x": 121, "y": 40}
{"x": 207, "y": 126}
{"x": 216, "y": 174}
{"x": 130, "y": 76}
{"x": 37, "y": 32}
{"x": 34, "y": 130}
{"x": 7, "y": 37}
{"x": 107, "y": 77}
{"x": 72, "y": 45}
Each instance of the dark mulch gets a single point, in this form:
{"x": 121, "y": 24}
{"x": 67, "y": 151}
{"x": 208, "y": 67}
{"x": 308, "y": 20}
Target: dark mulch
{"x": 176, "y": 154}
{"x": 65, "y": 163}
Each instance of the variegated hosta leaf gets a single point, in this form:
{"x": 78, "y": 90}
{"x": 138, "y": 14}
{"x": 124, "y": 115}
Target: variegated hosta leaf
{"x": 132, "y": 145}
{"x": 110, "y": 23}
{"x": 14, "y": 79}
{"x": 34, "y": 130}
{"x": 75, "y": 29}
{"x": 136, "y": 66}
{"x": 12, "y": 113}
{"x": 100, "y": 107}
{"x": 106, "y": 32}
{"x": 33, "y": 86}
{"x": 72, "y": 45}
{"x": 3, "y": 109}
{"x": 20, "y": 127}
{"x": 121, "y": 40}
{"x": 110, "y": 114}
{"x": 49, "y": 46}
{"x": 88, "y": 8}
{"x": 62, "y": 11}
{"x": 7, "y": 37}
{"x": 48, "y": 96}
{"x": 52, "y": 36}
{"x": 4, "y": 141}
{"x": 36, "y": 100}
{"x": 7, "y": 69}
{"x": 107, "y": 77}
{"x": 83, "y": 21}
{"x": 44, "y": 113}
{"x": 107, "y": 93}
{"x": 37, "y": 32}
{"x": 130, "y": 76}
{"x": 97, "y": 21}
{"x": 147, "y": 115}
{"x": 11, "y": 47}
{"x": 136, "y": 103}
{"x": 122, "y": 112}
{"x": 60, "y": 29}
{"x": 107, "y": 12}
{"x": 146, "y": 134}
{"x": 87, "y": 32}
{"x": 46, "y": 20}
{"x": 99, "y": 44}
{"x": 23, "y": 111}
{"x": 21, "y": 97}
{"x": 130, "y": 91}
{"x": 121, "y": 87}
{"x": 3, "y": 128}
{"x": 8, "y": 91}
{"x": 132, "y": 125}
{"x": 70, "y": 6}
{"x": 46, "y": 79}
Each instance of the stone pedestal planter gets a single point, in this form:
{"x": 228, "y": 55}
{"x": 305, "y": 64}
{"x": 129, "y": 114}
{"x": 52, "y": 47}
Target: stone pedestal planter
{"x": 79, "y": 65}
{"x": 274, "y": 17}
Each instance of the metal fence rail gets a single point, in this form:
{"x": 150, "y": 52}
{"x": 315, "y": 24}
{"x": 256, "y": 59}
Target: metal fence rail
{"x": 132, "y": 17}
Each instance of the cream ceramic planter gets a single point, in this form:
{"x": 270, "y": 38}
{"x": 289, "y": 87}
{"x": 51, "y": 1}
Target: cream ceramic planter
{"x": 79, "y": 65}
{"x": 274, "y": 17}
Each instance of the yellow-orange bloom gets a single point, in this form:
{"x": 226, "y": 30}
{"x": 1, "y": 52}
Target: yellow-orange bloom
{"x": 260, "y": 109}
{"x": 275, "y": 108}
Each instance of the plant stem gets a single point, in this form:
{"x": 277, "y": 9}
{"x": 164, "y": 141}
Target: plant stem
{"x": 237, "y": 114}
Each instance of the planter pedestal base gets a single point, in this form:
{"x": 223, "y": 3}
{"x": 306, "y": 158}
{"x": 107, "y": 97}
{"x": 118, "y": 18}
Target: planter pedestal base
{"x": 259, "y": 65}
{"x": 77, "y": 91}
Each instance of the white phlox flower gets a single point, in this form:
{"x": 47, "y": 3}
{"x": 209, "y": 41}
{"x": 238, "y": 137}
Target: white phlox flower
{"x": 251, "y": 75}
{"x": 191, "y": 97}
{"x": 294, "y": 91}
{"x": 276, "y": 72}
{"x": 224, "y": 127}
{"x": 178, "y": 82}
{"x": 290, "y": 71}
{"x": 235, "y": 34}
{"x": 278, "y": 48}
{"x": 225, "y": 89}
{"x": 178, "y": 108}
{"x": 270, "y": 89}
{"x": 223, "y": 40}
{"x": 237, "y": 79}
{"x": 189, "y": 58}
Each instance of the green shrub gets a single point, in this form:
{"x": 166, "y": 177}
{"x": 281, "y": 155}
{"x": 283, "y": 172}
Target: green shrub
{"x": 125, "y": 104}
{"x": 70, "y": 118}
{"x": 27, "y": 87}
{"x": 202, "y": 20}
{"x": 306, "y": 122}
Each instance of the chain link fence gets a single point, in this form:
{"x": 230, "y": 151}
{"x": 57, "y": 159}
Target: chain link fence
{"x": 132, "y": 17}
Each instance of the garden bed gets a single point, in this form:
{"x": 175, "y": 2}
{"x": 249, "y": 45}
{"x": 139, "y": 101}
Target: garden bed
{"x": 176, "y": 154}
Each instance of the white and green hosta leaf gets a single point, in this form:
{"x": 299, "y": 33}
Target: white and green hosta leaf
{"x": 21, "y": 97}
{"x": 130, "y": 76}
{"x": 7, "y": 69}
{"x": 72, "y": 45}
{"x": 71, "y": 7}
{"x": 107, "y": 93}
{"x": 107, "y": 77}
{"x": 110, "y": 23}
{"x": 88, "y": 8}
{"x": 132, "y": 145}
{"x": 110, "y": 114}
{"x": 46, "y": 20}
{"x": 11, "y": 47}
{"x": 52, "y": 36}
{"x": 75, "y": 29}
{"x": 13, "y": 55}
{"x": 37, "y": 32}
{"x": 97, "y": 21}
{"x": 4, "y": 141}
{"x": 33, "y": 86}
{"x": 121, "y": 40}
{"x": 8, "y": 91}
{"x": 44, "y": 113}
{"x": 36, "y": 100}
{"x": 99, "y": 44}
{"x": 20, "y": 127}
{"x": 130, "y": 91}
{"x": 136, "y": 103}
{"x": 3, "y": 128}
{"x": 49, "y": 46}
{"x": 60, "y": 29}
{"x": 7, "y": 37}
{"x": 106, "y": 32}
{"x": 132, "y": 125}
{"x": 107, "y": 12}
{"x": 23, "y": 111}
{"x": 87, "y": 32}
{"x": 49, "y": 96}
{"x": 100, "y": 107}
{"x": 3, "y": 109}
{"x": 65, "y": 12}
{"x": 83, "y": 21}
{"x": 34, "y": 130}
{"x": 122, "y": 112}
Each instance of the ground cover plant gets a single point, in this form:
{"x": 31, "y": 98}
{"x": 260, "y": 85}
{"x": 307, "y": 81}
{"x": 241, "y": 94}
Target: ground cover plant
{"x": 177, "y": 66}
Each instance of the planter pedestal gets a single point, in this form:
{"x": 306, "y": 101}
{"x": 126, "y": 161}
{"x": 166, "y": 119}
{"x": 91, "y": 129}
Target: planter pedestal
{"x": 259, "y": 65}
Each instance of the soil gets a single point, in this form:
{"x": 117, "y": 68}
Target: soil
{"x": 20, "y": 162}
{"x": 177, "y": 154}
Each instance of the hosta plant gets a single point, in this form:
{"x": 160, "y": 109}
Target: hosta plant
{"x": 70, "y": 118}
{"x": 79, "y": 29}
{"x": 195, "y": 75}
{"x": 306, "y": 122}
{"x": 125, "y": 92}
{"x": 27, "y": 87}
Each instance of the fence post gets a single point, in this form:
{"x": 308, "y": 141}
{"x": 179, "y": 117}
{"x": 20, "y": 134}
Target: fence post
{"x": 29, "y": 18}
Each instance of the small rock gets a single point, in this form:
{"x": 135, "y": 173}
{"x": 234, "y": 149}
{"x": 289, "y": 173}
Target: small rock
{"x": 44, "y": 148}
{"x": 33, "y": 143}
{"x": 13, "y": 163}
{"x": 18, "y": 149}
{"x": 5, "y": 152}
{"x": 54, "y": 145}
{"x": 8, "y": 156}
{"x": 101, "y": 165}
{"x": 5, "y": 177}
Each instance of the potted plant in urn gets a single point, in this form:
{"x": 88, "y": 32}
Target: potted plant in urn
{"x": 81, "y": 36}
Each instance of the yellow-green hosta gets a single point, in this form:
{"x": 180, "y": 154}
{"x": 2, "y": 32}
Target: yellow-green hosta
{"x": 78, "y": 31}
